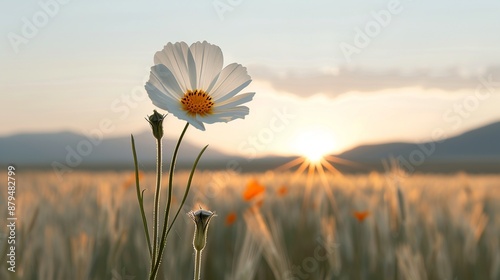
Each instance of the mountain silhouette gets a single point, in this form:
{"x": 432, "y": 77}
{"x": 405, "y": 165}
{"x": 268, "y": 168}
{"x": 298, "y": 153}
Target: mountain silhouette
{"x": 479, "y": 144}
{"x": 477, "y": 150}
{"x": 68, "y": 148}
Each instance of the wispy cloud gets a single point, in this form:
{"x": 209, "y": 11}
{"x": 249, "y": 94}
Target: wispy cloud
{"x": 342, "y": 80}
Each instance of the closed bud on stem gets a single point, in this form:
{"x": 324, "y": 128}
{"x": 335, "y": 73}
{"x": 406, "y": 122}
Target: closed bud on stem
{"x": 201, "y": 219}
{"x": 156, "y": 122}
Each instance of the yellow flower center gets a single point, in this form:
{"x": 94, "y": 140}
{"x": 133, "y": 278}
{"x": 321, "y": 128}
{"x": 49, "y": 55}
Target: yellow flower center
{"x": 197, "y": 102}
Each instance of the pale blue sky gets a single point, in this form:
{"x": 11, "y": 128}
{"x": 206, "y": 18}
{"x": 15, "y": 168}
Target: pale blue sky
{"x": 82, "y": 64}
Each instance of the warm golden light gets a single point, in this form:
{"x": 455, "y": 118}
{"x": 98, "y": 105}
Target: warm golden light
{"x": 315, "y": 147}
{"x": 314, "y": 155}
{"x": 314, "y": 144}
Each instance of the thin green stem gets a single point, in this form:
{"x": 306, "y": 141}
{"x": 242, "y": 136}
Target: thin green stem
{"x": 140, "y": 196}
{"x": 157, "y": 261}
{"x": 171, "y": 175}
{"x": 188, "y": 187}
{"x": 156, "y": 209}
{"x": 186, "y": 192}
{"x": 197, "y": 265}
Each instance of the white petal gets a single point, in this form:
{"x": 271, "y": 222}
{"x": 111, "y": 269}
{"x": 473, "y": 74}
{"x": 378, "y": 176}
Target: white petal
{"x": 209, "y": 60}
{"x": 196, "y": 122}
{"x": 227, "y": 115}
{"x": 162, "y": 78}
{"x": 235, "y": 101}
{"x": 232, "y": 79}
{"x": 181, "y": 114}
{"x": 177, "y": 57}
{"x": 160, "y": 99}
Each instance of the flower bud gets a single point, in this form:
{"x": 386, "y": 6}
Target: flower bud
{"x": 201, "y": 219}
{"x": 156, "y": 122}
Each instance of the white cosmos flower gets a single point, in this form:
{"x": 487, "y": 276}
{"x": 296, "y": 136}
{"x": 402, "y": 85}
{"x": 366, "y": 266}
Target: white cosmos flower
{"x": 190, "y": 83}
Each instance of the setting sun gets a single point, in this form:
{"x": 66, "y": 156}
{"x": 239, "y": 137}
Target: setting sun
{"x": 314, "y": 144}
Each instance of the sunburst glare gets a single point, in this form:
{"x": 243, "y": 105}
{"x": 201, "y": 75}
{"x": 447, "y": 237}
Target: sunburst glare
{"x": 314, "y": 144}
{"x": 315, "y": 147}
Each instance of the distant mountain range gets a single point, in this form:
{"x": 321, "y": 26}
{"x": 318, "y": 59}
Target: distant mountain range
{"x": 75, "y": 150}
{"x": 478, "y": 144}
{"x": 477, "y": 150}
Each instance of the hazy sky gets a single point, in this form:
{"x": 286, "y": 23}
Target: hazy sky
{"x": 339, "y": 73}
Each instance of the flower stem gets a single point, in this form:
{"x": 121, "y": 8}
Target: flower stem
{"x": 186, "y": 192}
{"x": 156, "y": 262}
{"x": 156, "y": 209}
{"x": 171, "y": 177}
{"x": 188, "y": 187}
{"x": 140, "y": 196}
{"x": 197, "y": 264}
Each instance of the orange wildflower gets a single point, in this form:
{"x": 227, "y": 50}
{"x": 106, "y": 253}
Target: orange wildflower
{"x": 254, "y": 188}
{"x": 361, "y": 215}
{"x": 230, "y": 218}
{"x": 282, "y": 191}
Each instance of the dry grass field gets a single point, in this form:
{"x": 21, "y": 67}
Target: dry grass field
{"x": 268, "y": 226}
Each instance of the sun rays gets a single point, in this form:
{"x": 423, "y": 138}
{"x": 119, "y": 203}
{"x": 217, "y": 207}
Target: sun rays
{"x": 316, "y": 168}
{"x": 314, "y": 143}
